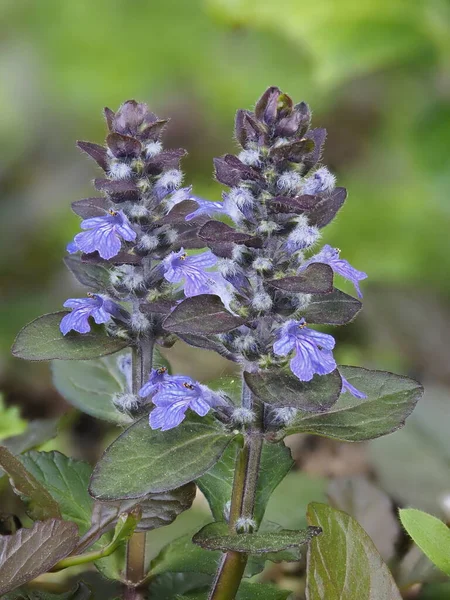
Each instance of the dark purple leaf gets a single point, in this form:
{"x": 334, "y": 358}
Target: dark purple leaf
{"x": 294, "y": 151}
{"x": 123, "y": 146}
{"x": 280, "y": 387}
{"x": 188, "y": 237}
{"x": 201, "y": 341}
{"x": 266, "y": 107}
{"x": 325, "y": 210}
{"x": 216, "y": 231}
{"x": 285, "y": 204}
{"x": 179, "y": 212}
{"x": 91, "y": 207}
{"x": 202, "y": 315}
{"x": 89, "y": 274}
{"x": 248, "y": 129}
{"x": 231, "y": 171}
{"x": 318, "y": 136}
{"x": 131, "y": 116}
{"x": 168, "y": 159}
{"x": 109, "y": 117}
{"x": 296, "y": 123}
{"x": 315, "y": 279}
{"x": 153, "y": 130}
{"x": 98, "y": 153}
{"x": 31, "y": 552}
{"x": 336, "y": 308}
{"x": 122, "y": 190}
{"x": 123, "y": 258}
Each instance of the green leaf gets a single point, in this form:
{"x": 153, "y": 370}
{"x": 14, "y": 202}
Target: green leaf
{"x": 10, "y": 421}
{"x": 390, "y": 400}
{"x": 216, "y": 536}
{"x": 336, "y": 308}
{"x": 91, "y": 275}
{"x": 80, "y": 592}
{"x": 343, "y": 562}
{"x": 430, "y": 534}
{"x": 42, "y": 340}
{"x": 91, "y": 385}
{"x": 217, "y": 483}
{"x": 41, "y": 504}
{"x": 183, "y": 556}
{"x": 66, "y": 480}
{"x": 202, "y": 315}
{"x": 168, "y": 585}
{"x": 281, "y": 388}
{"x": 143, "y": 461}
{"x": 31, "y": 552}
{"x": 37, "y": 433}
{"x": 249, "y": 591}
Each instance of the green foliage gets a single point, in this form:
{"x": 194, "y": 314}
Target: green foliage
{"x": 249, "y": 591}
{"x": 41, "y": 504}
{"x": 91, "y": 385}
{"x": 42, "y": 340}
{"x": 216, "y": 536}
{"x": 30, "y": 552}
{"x": 282, "y": 388}
{"x": 430, "y": 534}
{"x": 143, "y": 461}
{"x": 390, "y": 400}
{"x": 79, "y": 592}
{"x": 183, "y": 556}
{"x": 217, "y": 483}
{"x": 10, "y": 421}
{"x": 343, "y": 562}
{"x": 66, "y": 480}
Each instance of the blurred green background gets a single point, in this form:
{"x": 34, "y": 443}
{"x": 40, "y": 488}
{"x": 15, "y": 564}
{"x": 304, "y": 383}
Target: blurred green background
{"x": 376, "y": 74}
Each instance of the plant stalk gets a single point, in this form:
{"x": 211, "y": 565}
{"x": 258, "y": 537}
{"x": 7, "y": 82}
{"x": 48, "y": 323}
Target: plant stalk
{"x": 232, "y": 566}
{"x": 142, "y": 364}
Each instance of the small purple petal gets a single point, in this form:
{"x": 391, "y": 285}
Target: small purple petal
{"x": 348, "y": 387}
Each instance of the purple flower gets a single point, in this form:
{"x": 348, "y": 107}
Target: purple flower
{"x": 178, "y": 266}
{"x": 348, "y": 387}
{"x": 158, "y": 378}
{"x": 103, "y": 234}
{"x": 174, "y": 398}
{"x": 205, "y": 207}
{"x": 100, "y": 308}
{"x": 330, "y": 256}
{"x": 313, "y": 350}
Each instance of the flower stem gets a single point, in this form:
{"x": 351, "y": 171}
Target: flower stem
{"x": 232, "y": 566}
{"x": 142, "y": 363}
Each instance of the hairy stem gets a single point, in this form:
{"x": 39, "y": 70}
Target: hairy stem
{"x": 232, "y": 566}
{"x": 142, "y": 363}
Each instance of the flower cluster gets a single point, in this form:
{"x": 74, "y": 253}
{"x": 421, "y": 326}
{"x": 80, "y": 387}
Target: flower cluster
{"x": 133, "y": 231}
{"x": 280, "y": 197}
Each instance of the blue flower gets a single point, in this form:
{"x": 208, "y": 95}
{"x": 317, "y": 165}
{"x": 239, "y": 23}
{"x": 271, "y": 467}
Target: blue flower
{"x": 177, "y": 197}
{"x": 178, "y": 266}
{"x": 330, "y": 256}
{"x": 158, "y": 378}
{"x": 103, "y": 234}
{"x": 205, "y": 207}
{"x": 100, "y": 308}
{"x": 348, "y": 387}
{"x": 313, "y": 350}
{"x": 175, "y": 397}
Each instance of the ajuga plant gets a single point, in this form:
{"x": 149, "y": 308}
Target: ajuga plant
{"x": 247, "y": 278}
